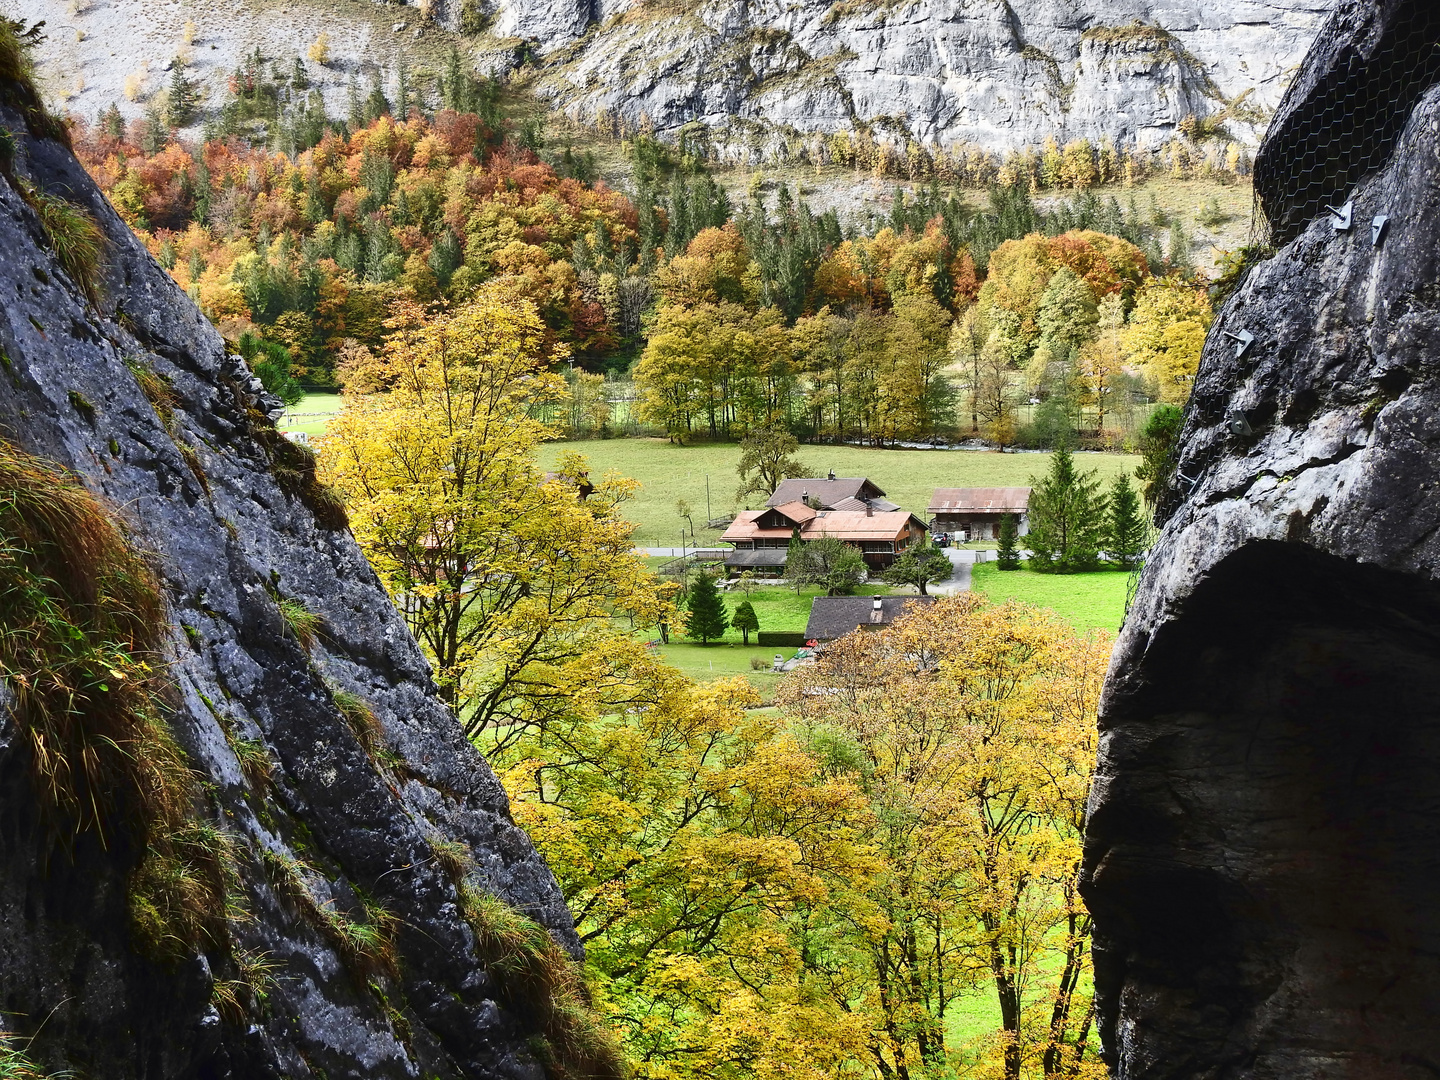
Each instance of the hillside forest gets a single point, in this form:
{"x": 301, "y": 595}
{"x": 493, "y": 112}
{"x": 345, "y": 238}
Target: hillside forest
{"x": 823, "y": 889}
{"x": 306, "y": 233}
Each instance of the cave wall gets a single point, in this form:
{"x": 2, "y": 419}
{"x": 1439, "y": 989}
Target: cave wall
{"x": 228, "y": 537}
{"x": 1263, "y": 852}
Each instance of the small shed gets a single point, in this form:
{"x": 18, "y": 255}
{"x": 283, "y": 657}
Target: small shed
{"x": 974, "y": 513}
{"x": 833, "y": 617}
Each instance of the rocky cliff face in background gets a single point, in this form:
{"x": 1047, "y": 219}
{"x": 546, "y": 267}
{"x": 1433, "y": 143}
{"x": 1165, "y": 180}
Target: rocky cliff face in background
{"x": 994, "y": 74}
{"x": 1263, "y": 858}
{"x": 990, "y": 73}
{"x": 364, "y": 828}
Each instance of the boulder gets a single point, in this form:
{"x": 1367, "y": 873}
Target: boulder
{"x": 1263, "y": 849}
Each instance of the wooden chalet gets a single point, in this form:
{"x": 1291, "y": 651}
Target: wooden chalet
{"x": 833, "y": 617}
{"x": 974, "y": 513}
{"x": 762, "y": 537}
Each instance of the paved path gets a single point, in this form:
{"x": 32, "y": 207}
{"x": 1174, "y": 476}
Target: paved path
{"x": 964, "y": 561}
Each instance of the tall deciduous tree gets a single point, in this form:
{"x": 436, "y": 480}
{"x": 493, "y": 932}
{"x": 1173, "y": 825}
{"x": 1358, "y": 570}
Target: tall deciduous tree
{"x": 971, "y": 730}
{"x": 1067, "y": 517}
{"x": 511, "y": 581}
{"x": 767, "y": 457}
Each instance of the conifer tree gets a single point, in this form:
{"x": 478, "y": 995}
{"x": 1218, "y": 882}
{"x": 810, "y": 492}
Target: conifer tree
{"x": 707, "y": 610}
{"x": 1009, "y": 553}
{"x": 182, "y": 98}
{"x": 1067, "y": 517}
{"x": 1125, "y": 530}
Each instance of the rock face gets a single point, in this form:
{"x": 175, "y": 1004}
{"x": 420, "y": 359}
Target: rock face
{"x": 1263, "y": 860}
{"x": 228, "y": 537}
{"x": 986, "y": 73}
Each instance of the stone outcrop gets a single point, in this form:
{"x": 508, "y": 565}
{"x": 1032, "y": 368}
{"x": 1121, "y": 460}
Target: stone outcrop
{"x": 1263, "y": 860}
{"x": 212, "y": 494}
{"x": 993, "y": 74}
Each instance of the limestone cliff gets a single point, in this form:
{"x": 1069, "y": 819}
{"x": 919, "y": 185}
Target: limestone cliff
{"x": 994, "y": 74}
{"x": 1263, "y": 835}
{"x": 989, "y": 73}
{"x": 362, "y": 848}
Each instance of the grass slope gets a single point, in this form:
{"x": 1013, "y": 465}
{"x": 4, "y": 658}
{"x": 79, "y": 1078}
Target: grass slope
{"x": 1086, "y": 601}
{"x": 668, "y": 473}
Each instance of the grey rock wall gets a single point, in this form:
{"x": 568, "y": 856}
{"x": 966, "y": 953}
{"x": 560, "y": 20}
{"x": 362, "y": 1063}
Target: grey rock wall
{"x": 67, "y": 968}
{"x": 991, "y": 73}
{"x": 1263, "y": 857}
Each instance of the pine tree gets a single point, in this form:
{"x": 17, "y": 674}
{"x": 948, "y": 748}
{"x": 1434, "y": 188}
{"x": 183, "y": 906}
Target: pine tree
{"x": 707, "y": 610}
{"x": 1125, "y": 531}
{"x": 745, "y": 620}
{"x": 182, "y": 98}
{"x": 1009, "y": 553}
{"x": 1067, "y": 517}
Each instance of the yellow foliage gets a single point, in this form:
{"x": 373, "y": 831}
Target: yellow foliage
{"x": 319, "y": 51}
{"x": 1167, "y": 333}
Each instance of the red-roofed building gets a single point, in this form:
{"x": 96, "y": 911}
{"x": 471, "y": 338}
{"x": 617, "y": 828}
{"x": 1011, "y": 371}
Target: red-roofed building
{"x": 761, "y": 537}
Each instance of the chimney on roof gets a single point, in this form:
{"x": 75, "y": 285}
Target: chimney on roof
{"x": 879, "y": 604}
{"x": 832, "y": 475}
{"x": 869, "y": 508}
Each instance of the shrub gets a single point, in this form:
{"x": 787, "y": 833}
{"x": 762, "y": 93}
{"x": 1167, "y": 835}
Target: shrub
{"x": 319, "y": 51}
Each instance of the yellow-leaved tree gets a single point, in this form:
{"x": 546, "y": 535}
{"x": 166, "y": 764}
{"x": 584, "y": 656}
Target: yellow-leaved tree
{"x": 970, "y": 728}
{"x": 712, "y": 867}
{"x": 1166, "y": 334}
{"x": 513, "y": 580}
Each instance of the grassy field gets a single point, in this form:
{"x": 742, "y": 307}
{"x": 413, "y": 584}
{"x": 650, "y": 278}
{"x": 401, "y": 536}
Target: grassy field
{"x": 1086, "y": 601}
{"x": 668, "y": 473}
{"x": 311, "y": 414}
{"x": 704, "y": 663}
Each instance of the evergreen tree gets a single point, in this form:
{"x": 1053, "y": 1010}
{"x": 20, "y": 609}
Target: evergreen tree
{"x": 707, "y": 610}
{"x": 745, "y": 620}
{"x": 1067, "y": 517}
{"x": 112, "y": 123}
{"x": 1009, "y": 551}
{"x": 919, "y": 566}
{"x": 1125, "y": 532}
{"x": 181, "y": 99}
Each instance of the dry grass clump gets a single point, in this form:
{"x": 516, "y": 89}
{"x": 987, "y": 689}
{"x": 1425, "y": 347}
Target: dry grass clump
{"x": 80, "y": 649}
{"x": 301, "y": 623}
{"x": 17, "y": 79}
{"x": 74, "y": 237}
{"x": 157, "y": 391}
{"x": 537, "y": 978}
{"x": 369, "y": 732}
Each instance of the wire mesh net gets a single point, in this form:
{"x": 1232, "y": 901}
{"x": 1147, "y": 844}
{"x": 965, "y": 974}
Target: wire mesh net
{"x": 1348, "y": 122}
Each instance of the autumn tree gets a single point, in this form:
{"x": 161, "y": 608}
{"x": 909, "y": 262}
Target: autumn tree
{"x": 970, "y": 729}
{"x": 1167, "y": 333}
{"x": 711, "y": 865}
{"x": 1102, "y": 359}
{"x": 767, "y": 457}
{"x": 512, "y": 582}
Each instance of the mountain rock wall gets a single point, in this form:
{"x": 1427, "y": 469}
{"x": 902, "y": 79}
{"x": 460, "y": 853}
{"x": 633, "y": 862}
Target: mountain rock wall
{"x": 987, "y": 73}
{"x": 1263, "y": 853}
{"x": 326, "y": 830}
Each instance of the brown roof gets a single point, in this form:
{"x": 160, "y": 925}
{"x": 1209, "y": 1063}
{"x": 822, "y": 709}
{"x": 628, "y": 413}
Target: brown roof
{"x": 797, "y": 512}
{"x": 843, "y": 524}
{"x": 829, "y": 492}
{"x": 1006, "y": 500}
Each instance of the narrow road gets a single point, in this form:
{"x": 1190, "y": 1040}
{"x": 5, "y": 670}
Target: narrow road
{"x": 964, "y": 562}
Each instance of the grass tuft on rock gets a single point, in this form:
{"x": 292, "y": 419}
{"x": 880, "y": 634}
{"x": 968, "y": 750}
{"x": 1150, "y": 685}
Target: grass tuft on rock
{"x": 80, "y": 650}
{"x": 74, "y": 237}
{"x": 537, "y": 978}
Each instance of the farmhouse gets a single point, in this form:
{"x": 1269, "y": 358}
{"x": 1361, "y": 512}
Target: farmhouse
{"x": 846, "y": 493}
{"x": 833, "y": 617}
{"x": 974, "y": 513}
{"x": 761, "y": 537}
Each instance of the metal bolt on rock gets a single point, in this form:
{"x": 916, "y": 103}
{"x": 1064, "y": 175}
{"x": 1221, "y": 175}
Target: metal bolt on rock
{"x": 1379, "y": 228}
{"x": 1243, "y": 342}
{"x": 1343, "y": 216}
{"x": 1239, "y": 423}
